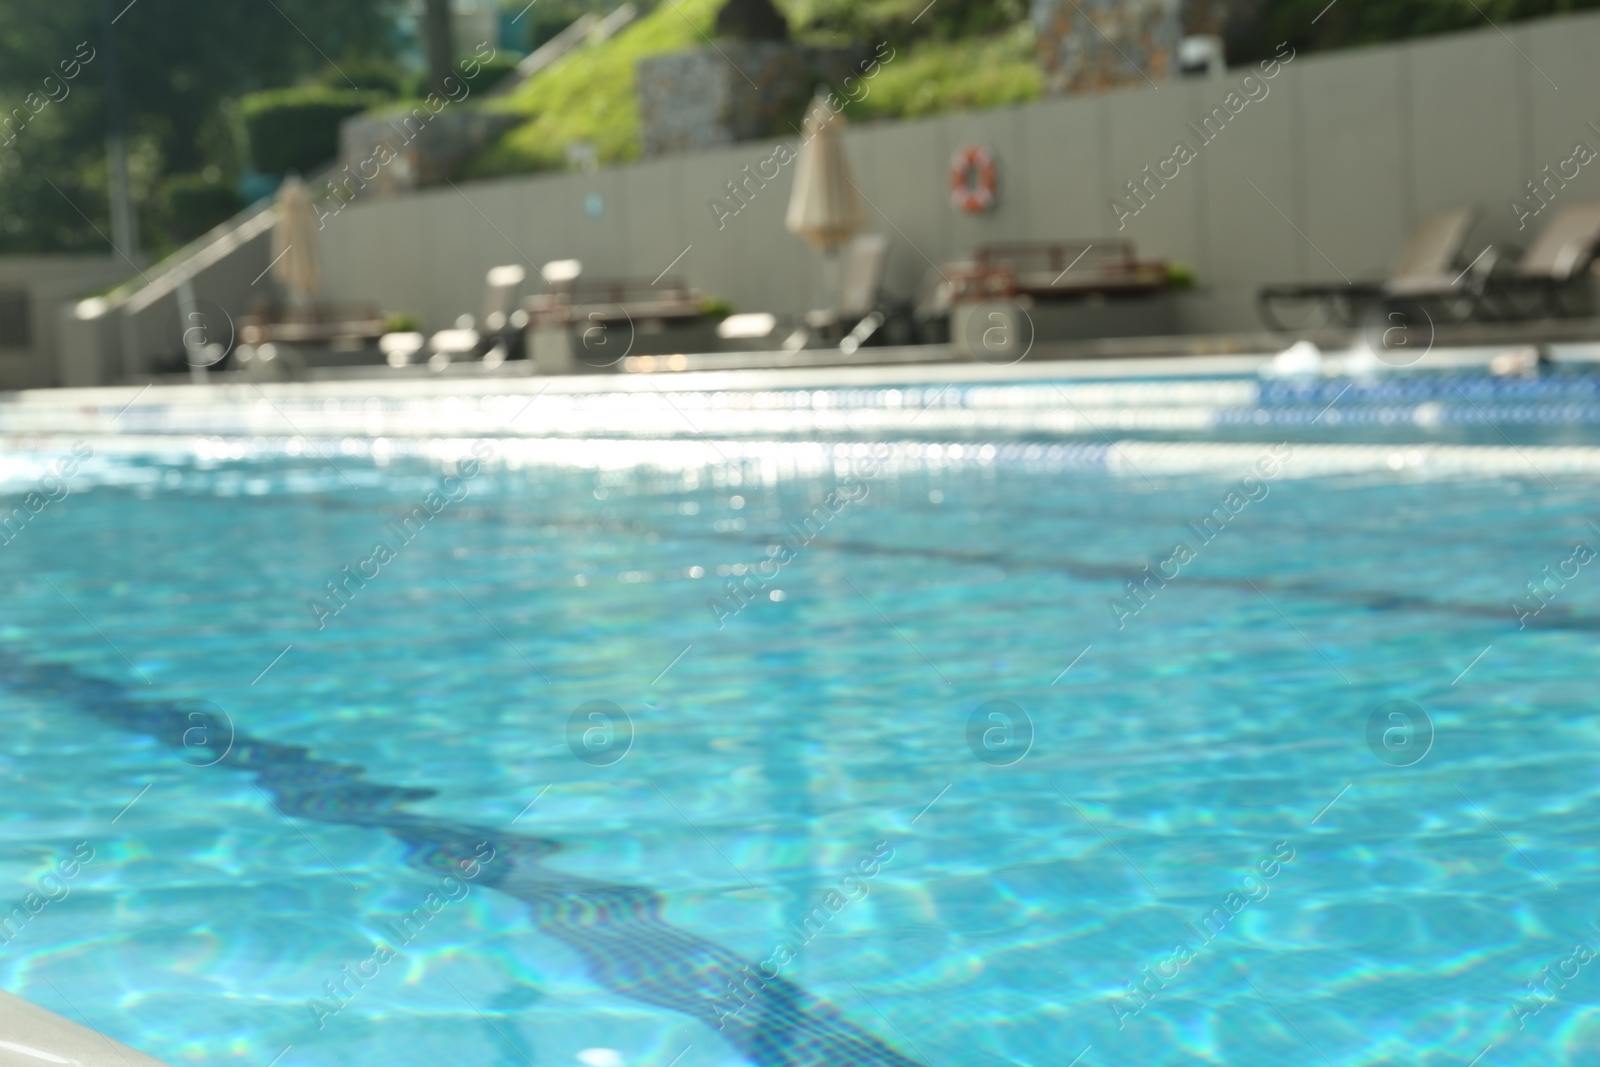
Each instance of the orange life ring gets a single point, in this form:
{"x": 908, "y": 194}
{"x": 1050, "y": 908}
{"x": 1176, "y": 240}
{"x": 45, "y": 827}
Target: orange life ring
{"x": 973, "y": 180}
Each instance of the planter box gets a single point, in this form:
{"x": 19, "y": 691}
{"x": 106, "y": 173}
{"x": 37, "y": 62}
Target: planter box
{"x": 1002, "y": 331}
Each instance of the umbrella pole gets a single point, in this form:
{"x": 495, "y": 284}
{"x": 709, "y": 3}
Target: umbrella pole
{"x": 830, "y": 280}
{"x": 189, "y": 321}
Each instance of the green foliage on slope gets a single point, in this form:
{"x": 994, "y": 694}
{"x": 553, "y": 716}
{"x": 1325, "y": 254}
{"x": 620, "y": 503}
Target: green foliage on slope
{"x": 590, "y": 96}
{"x": 937, "y": 76}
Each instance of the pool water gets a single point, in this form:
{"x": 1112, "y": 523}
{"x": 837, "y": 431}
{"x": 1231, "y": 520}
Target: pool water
{"x": 760, "y": 750}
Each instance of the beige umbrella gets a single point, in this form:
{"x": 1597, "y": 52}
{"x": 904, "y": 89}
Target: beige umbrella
{"x": 294, "y": 242}
{"x": 825, "y": 208}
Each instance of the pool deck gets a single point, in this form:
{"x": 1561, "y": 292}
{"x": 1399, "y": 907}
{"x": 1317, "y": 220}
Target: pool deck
{"x": 871, "y": 368}
{"x": 30, "y": 1035}
{"x": 1168, "y": 416}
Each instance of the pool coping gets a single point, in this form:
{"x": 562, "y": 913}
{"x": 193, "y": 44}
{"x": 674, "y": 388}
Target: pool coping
{"x": 518, "y": 379}
{"x": 40, "y": 1036}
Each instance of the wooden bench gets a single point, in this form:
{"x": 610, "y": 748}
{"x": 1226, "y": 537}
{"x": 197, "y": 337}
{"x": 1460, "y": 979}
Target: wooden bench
{"x": 1056, "y": 270}
{"x": 321, "y": 324}
{"x": 592, "y": 300}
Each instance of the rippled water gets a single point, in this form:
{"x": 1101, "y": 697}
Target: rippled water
{"x": 1195, "y": 766}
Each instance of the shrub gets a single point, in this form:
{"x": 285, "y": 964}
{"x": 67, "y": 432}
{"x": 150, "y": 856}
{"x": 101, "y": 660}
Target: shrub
{"x": 193, "y": 203}
{"x": 492, "y": 73}
{"x": 298, "y": 129}
{"x": 549, "y": 17}
{"x": 371, "y": 75}
{"x": 1254, "y": 33}
{"x": 417, "y": 86}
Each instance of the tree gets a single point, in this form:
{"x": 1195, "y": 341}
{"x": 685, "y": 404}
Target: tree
{"x": 181, "y": 61}
{"x": 439, "y": 36}
{"x": 1312, "y": 25}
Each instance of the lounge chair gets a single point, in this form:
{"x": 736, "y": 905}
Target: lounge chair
{"x": 460, "y": 344}
{"x": 1552, "y": 268}
{"x": 860, "y": 311}
{"x": 494, "y": 339}
{"x": 500, "y": 301}
{"x": 1425, "y": 265}
{"x": 860, "y": 284}
{"x": 500, "y": 333}
{"x": 930, "y": 314}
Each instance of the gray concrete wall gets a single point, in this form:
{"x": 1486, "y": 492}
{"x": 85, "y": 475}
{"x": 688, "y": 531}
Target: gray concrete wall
{"x": 1325, "y": 175}
{"x": 51, "y": 282}
{"x": 227, "y": 277}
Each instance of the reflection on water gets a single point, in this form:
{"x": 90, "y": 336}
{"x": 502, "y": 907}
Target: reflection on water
{"x": 617, "y": 929}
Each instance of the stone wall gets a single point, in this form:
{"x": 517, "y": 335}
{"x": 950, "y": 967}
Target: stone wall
{"x": 1220, "y": 18}
{"x": 388, "y": 153}
{"x": 737, "y": 91}
{"x": 1094, "y": 45}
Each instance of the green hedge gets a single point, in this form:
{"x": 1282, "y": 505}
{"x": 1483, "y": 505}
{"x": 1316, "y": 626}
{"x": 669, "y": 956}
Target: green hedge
{"x": 191, "y": 205}
{"x": 298, "y": 129}
{"x": 492, "y": 73}
{"x": 372, "y": 75}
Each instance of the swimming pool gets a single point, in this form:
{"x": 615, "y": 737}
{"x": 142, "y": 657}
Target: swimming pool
{"x": 808, "y": 726}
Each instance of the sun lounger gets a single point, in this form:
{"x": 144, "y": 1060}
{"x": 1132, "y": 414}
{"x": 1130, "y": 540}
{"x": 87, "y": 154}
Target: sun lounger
{"x": 861, "y": 272}
{"x": 930, "y": 311}
{"x": 1541, "y": 284}
{"x": 494, "y": 338}
{"x": 500, "y": 300}
{"x": 1560, "y": 258}
{"x": 1427, "y": 264}
{"x": 860, "y": 310}
{"x": 503, "y": 322}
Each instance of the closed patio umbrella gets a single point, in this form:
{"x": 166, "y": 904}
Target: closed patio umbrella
{"x": 294, "y": 242}
{"x": 825, "y": 208}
